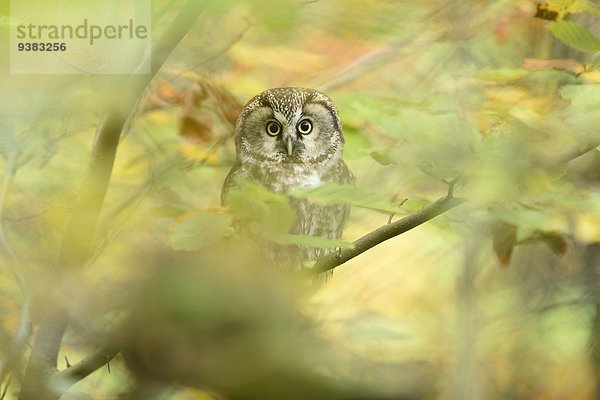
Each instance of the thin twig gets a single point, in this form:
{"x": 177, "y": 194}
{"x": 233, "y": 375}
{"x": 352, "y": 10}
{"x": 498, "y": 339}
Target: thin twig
{"x": 391, "y": 217}
{"x": 89, "y": 364}
{"x": 392, "y": 214}
{"x": 8, "y": 382}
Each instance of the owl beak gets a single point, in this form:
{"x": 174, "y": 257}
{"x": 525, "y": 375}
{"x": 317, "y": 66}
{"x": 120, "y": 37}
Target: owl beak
{"x": 288, "y": 145}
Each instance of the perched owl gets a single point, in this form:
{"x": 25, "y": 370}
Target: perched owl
{"x": 286, "y": 139}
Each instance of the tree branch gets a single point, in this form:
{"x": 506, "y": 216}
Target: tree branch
{"x": 388, "y": 231}
{"x": 415, "y": 219}
{"x": 73, "y": 254}
{"x": 89, "y": 364}
{"x": 9, "y": 173}
{"x": 17, "y": 347}
{"x": 81, "y": 227}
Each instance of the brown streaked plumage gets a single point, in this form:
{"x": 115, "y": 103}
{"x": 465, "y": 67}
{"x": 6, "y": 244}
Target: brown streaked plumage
{"x": 274, "y": 151}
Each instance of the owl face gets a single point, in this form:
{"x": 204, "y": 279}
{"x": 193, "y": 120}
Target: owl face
{"x": 289, "y": 125}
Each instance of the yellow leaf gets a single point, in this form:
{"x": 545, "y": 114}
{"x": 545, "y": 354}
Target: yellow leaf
{"x": 501, "y": 74}
{"x": 587, "y": 229}
{"x": 207, "y": 154}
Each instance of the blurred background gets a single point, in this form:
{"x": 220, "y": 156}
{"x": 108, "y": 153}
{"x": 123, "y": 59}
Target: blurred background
{"x": 496, "y": 299}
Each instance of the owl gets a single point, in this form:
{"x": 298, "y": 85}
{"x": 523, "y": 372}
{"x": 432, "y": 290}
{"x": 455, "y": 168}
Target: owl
{"x": 286, "y": 139}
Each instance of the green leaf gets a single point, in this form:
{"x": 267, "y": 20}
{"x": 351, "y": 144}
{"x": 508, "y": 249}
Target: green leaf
{"x": 167, "y": 211}
{"x": 528, "y": 218}
{"x": 312, "y": 241}
{"x": 595, "y": 64}
{"x": 200, "y": 231}
{"x": 582, "y": 97}
{"x": 589, "y": 7}
{"x": 382, "y": 157}
{"x": 575, "y": 35}
{"x": 344, "y": 194}
{"x": 265, "y": 212}
{"x": 356, "y": 143}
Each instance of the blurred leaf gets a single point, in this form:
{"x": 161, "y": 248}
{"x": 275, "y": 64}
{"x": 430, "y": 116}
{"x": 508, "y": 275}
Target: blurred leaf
{"x": 587, "y": 7}
{"x": 543, "y": 220}
{"x": 560, "y": 64}
{"x": 278, "y": 16}
{"x": 203, "y": 153}
{"x": 582, "y": 97}
{"x": 167, "y": 211}
{"x": 356, "y": 143}
{"x": 358, "y": 108}
{"x": 382, "y": 156}
{"x": 555, "y": 10}
{"x": 270, "y": 214}
{"x": 333, "y": 193}
{"x": 263, "y": 211}
{"x": 576, "y": 6}
{"x": 200, "y": 231}
{"x": 312, "y": 241}
{"x": 555, "y": 241}
{"x": 504, "y": 238}
{"x": 545, "y": 12}
{"x": 166, "y": 92}
{"x": 441, "y": 144}
{"x": 196, "y": 127}
{"x": 575, "y": 35}
{"x": 7, "y": 142}
{"x": 595, "y": 62}
{"x": 502, "y": 74}
{"x": 168, "y": 170}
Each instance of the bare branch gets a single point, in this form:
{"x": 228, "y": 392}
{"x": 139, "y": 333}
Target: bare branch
{"x": 388, "y": 231}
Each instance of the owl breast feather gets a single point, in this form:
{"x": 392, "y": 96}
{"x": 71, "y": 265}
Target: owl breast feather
{"x": 312, "y": 219}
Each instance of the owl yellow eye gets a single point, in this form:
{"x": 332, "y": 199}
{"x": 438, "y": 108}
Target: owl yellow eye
{"x": 304, "y": 127}
{"x": 273, "y": 128}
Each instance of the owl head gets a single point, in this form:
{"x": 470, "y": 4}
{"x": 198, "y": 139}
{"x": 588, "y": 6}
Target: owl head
{"x": 289, "y": 125}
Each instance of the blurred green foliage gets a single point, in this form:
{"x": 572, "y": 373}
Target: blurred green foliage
{"x": 502, "y": 95}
